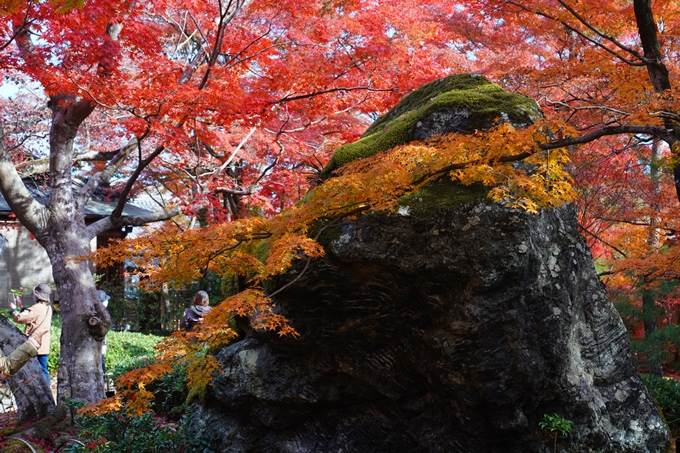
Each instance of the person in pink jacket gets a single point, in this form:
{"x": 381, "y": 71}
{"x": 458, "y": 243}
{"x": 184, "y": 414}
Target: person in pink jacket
{"x": 36, "y": 317}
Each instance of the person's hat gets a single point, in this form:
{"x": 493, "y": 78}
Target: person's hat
{"x": 103, "y": 297}
{"x": 42, "y": 292}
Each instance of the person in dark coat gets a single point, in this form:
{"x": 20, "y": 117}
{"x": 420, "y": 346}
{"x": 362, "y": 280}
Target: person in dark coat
{"x": 195, "y": 314}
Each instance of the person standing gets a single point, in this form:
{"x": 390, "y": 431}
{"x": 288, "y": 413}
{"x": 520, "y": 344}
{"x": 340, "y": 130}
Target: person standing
{"x": 36, "y": 317}
{"x": 104, "y": 299}
{"x": 200, "y": 306}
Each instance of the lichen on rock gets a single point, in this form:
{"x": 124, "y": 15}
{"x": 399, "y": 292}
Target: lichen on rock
{"x": 459, "y": 103}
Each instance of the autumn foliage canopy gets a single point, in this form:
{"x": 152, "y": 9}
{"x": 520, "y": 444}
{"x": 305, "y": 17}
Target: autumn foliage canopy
{"x": 230, "y": 109}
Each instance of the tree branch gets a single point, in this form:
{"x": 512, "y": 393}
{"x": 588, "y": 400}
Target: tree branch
{"x": 18, "y": 30}
{"x": 38, "y": 166}
{"x": 228, "y": 191}
{"x": 108, "y": 223}
{"x": 30, "y": 213}
{"x": 571, "y": 28}
{"x": 600, "y": 33}
{"x": 330, "y": 90}
{"x": 117, "y": 212}
{"x": 105, "y": 175}
{"x": 653, "y": 131}
{"x": 602, "y": 240}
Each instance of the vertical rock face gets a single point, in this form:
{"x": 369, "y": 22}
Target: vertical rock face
{"x": 454, "y": 332}
{"x": 452, "y": 326}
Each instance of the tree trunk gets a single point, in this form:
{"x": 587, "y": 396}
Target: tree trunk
{"x": 658, "y": 72}
{"x": 85, "y": 320}
{"x": 649, "y": 317}
{"x": 32, "y": 394}
{"x": 649, "y": 306}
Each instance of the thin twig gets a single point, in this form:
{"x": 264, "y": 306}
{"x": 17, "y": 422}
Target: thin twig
{"x": 316, "y": 237}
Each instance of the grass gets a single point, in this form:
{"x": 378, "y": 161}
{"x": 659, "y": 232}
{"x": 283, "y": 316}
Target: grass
{"x": 124, "y": 350}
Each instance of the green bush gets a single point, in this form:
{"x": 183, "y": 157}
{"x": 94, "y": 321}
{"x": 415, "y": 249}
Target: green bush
{"x": 666, "y": 395}
{"x": 55, "y": 345}
{"x": 128, "y": 350}
{"x": 149, "y": 433}
{"x": 124, "y": 350}
{"x": 171, "y": 392}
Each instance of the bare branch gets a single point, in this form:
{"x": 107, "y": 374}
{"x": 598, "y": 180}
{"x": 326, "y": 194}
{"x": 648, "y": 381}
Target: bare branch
{"x": 227, "y": 14}
{"x": 642, "y": 61}
{"x": 117, "y": 212}
{"x": 38, "y": 166}
{"x": 105, "y": 175}
{"x": 602, "y": 34}
{"x": 18, "y": 30}
{"x": 330, "y": 90}
{"x": 653, "y": 131}
{"x": 228, "y": 191}
{"x": 602, "y": 240}
{"x": 108, "y": 223}
{"x": 236, "y": 150}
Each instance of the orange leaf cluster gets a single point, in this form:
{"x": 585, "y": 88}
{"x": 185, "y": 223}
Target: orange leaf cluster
{"x": 259, "y": 248}
{"x": 199, "y": 375}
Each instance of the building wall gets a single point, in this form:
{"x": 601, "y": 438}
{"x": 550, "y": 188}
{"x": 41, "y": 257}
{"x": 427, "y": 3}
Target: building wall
{"x": 23, "y": 263}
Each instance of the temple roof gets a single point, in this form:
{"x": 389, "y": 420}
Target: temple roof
{"x": 100, "y": 205}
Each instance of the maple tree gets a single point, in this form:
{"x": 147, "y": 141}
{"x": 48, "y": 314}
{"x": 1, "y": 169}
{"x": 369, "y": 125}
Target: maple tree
{"x": 602, "y": 71}
{"x": 224, "y": 108}
{"x": 212, "y": 108}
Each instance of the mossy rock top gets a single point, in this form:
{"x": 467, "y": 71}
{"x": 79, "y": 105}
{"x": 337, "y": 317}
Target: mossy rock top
{"x": 458, "y": 103}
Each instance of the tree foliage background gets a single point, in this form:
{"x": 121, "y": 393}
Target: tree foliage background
{"x": 228, "y": 110}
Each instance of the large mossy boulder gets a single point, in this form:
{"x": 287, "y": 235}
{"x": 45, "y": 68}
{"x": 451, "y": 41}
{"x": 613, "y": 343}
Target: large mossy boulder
{"x": 461, "y": 103}
{"x": 453, "y": 326}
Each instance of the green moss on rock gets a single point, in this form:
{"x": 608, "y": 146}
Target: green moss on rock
{"x": 442, "y": 195}
{"x": 458, "y": 103}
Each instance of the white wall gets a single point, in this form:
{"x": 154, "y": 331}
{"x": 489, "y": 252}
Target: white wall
{"x": 24, "y": 262}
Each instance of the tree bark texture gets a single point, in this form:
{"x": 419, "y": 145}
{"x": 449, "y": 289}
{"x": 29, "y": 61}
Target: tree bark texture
{"x": 60, "y": 228}
{"x": 80, "y": 373}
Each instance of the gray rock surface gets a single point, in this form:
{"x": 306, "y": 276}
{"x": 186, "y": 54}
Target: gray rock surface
{"x": 455, "y": 332}
{"x": 451, "y": 326}
{"x": 28, "y": 387}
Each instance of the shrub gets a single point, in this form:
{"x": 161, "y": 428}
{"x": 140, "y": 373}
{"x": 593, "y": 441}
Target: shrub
{"x": 666, "y": 395}
{"x": 124, "y": 350}
{"x": 117, "y": 432}
{"x": 554, "y": 424}
{"x": 55, "y": 345}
